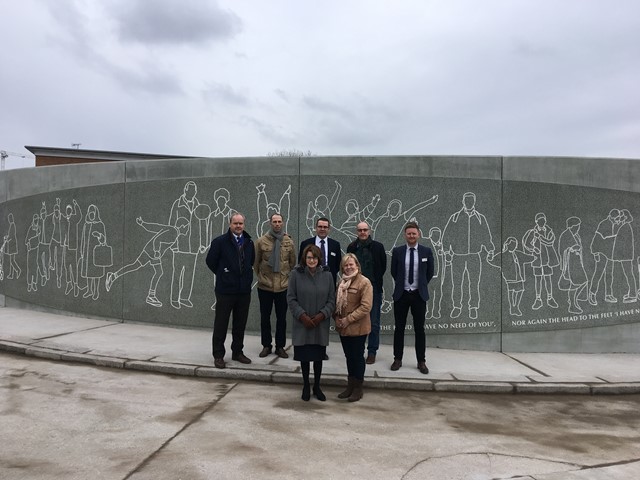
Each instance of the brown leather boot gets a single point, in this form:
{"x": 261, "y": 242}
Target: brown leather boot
{"x": 347, "y": 393}
{"x": 357, "y": 390}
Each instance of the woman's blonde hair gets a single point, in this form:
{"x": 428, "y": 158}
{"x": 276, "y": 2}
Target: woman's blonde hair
{"x": 347, "y": 257}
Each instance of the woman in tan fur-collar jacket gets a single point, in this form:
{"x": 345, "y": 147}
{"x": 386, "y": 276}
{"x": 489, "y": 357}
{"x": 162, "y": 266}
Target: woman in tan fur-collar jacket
{"x": 353, "y": 322}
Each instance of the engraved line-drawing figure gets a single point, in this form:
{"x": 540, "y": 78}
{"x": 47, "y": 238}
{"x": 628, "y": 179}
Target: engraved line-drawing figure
{"x": 44, "y": 251}
{"x": 266, "y": 209}
{"x": 573, "y": 278}
{"x": 186, "y": 249}
{"x": 32, "y": 241}
{"x": 11, "y": 249}
{"x": 219, "y": 218}
{"x": 164, "y": 237}
{"x": 638, "y": 261}
{"x": 624, "y": 254}
{"x": 409, "y": 216}
{"x": 4, "y": 244}
{"x": 322, "y": 207}
{"x": 465, "y": 236}
{"x": 511, "y": 262}
{"x": 394, "y": 212}
{"x": 385, "y": 226}
{"x": 95, "y": 254}
{"x": 602, "y": 246}
{"x": 540, "y": 242}
{"x": 439, "y": 272}
{"x": 355, "y": 215}
{"x": 55, "y": 246}
{"x": 71, "y": 258}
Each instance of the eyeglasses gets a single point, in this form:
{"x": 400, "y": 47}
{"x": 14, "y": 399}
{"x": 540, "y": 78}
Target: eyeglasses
{"x": 311, "y": 258}
{"x": 363, "y": 229}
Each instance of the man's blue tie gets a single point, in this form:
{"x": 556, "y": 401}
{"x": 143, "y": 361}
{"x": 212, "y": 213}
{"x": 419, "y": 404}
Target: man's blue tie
{"x": 411, "y": 252}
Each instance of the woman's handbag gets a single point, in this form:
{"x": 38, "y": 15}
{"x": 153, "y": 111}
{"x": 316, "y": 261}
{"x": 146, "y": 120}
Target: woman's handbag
{"x": 103, "y": 255}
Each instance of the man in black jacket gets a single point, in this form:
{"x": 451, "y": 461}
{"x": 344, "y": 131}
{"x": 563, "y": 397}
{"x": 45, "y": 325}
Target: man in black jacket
{"x": 230, "y": 258}
{"x": 329, "y": 247}
{"x": 373, "y": 262}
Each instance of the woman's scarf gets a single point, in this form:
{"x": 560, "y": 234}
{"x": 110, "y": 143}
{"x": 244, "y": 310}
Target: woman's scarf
{"x": 274, "y": 259}
{"x": 343, "y": 286}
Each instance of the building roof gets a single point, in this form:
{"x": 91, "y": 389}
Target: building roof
{"x": 102, "y": 155}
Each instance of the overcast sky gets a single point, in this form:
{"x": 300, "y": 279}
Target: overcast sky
{"x": 336, "y": 77}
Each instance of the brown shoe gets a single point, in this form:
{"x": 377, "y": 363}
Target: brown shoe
{"x": 422, "y": 366}
{"x": 218, "y": 363}
{"x": 265, "y": 351}
{"x": 396, "y": 364}
{"x": 281, "y": 353}
{"x": 371, "y": 359}
{"x": 240, "y": 357}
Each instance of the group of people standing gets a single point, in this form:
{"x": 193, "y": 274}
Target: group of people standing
{"x": 308, "y": 287}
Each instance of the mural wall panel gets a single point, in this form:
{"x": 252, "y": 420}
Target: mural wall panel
{"x": 527, "y": 250}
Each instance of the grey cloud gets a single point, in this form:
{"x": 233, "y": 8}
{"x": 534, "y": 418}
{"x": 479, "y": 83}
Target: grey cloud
{"x": 282, "y": 94}
{"x": 77, "y": 39}
{"x": 163, "y": 22}
{"x": 271, "y": 132}
{"x": 218, "y": 92}
{"x": 324, "y": 106}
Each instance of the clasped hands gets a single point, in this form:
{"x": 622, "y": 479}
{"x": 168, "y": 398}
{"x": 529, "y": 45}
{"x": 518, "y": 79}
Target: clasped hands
{"x": 341, "y": 322}
{"x": 312, "y": 322}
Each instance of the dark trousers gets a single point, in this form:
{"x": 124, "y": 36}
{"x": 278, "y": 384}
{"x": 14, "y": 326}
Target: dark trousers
{"x": 353, "y": 348}
{"x": 267, "y": 301}
{"x": 413, "y": 301}
{"x": 225, "y": 306}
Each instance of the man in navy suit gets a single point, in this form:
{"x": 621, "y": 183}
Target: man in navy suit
{"x": 330, "y": 248}
{"x": 411, "y": 269}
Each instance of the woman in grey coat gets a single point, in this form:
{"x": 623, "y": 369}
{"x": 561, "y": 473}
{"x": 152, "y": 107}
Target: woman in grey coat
{"x": 312, "y": 299}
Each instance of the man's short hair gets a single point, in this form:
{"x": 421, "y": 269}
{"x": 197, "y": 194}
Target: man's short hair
{"x": 235, "y": 213}
{"x": 274, "y": 214}
{"x": 411, "y": 225}
{"x": 323, "y": 219}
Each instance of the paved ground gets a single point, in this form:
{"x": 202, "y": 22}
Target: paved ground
{"x": 75, "y": 421}
{"x": 188, "y": 352}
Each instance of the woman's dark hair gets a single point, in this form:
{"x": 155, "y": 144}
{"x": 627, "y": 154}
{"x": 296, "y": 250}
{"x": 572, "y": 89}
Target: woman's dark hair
{"x": 315, "y": 251}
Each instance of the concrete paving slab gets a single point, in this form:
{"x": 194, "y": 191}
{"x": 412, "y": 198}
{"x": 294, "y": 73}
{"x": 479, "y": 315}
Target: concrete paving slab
{"x": 38, "y": 325}
{"x": 557, "y": 364}
{"x": 465, "y": 362}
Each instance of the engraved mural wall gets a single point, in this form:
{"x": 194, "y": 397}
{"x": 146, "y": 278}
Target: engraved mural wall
{"x": 513, "y": 255}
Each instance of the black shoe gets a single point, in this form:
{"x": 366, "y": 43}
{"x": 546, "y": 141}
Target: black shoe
{"x": 281, "y": 353}
{"x": 219, "y": 363}
{"x": 318, "y": 394}
{"x": 306, "y": 393}
{"x": 265, "y": 351}
{"x": 240, "y": 357}
{"x": 396, "y": 364}
{"x": 422, "y": 366}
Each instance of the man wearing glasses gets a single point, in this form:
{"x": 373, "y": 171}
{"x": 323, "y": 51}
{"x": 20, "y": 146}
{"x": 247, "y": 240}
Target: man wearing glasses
{"x": 373, "y": 262}
{"x": 330, "y": 248}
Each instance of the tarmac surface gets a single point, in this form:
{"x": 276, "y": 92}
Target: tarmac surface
{"x": 187, "y": 352}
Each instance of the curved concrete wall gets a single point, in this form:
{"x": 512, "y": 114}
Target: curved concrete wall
{"x": 554, "y": 228}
